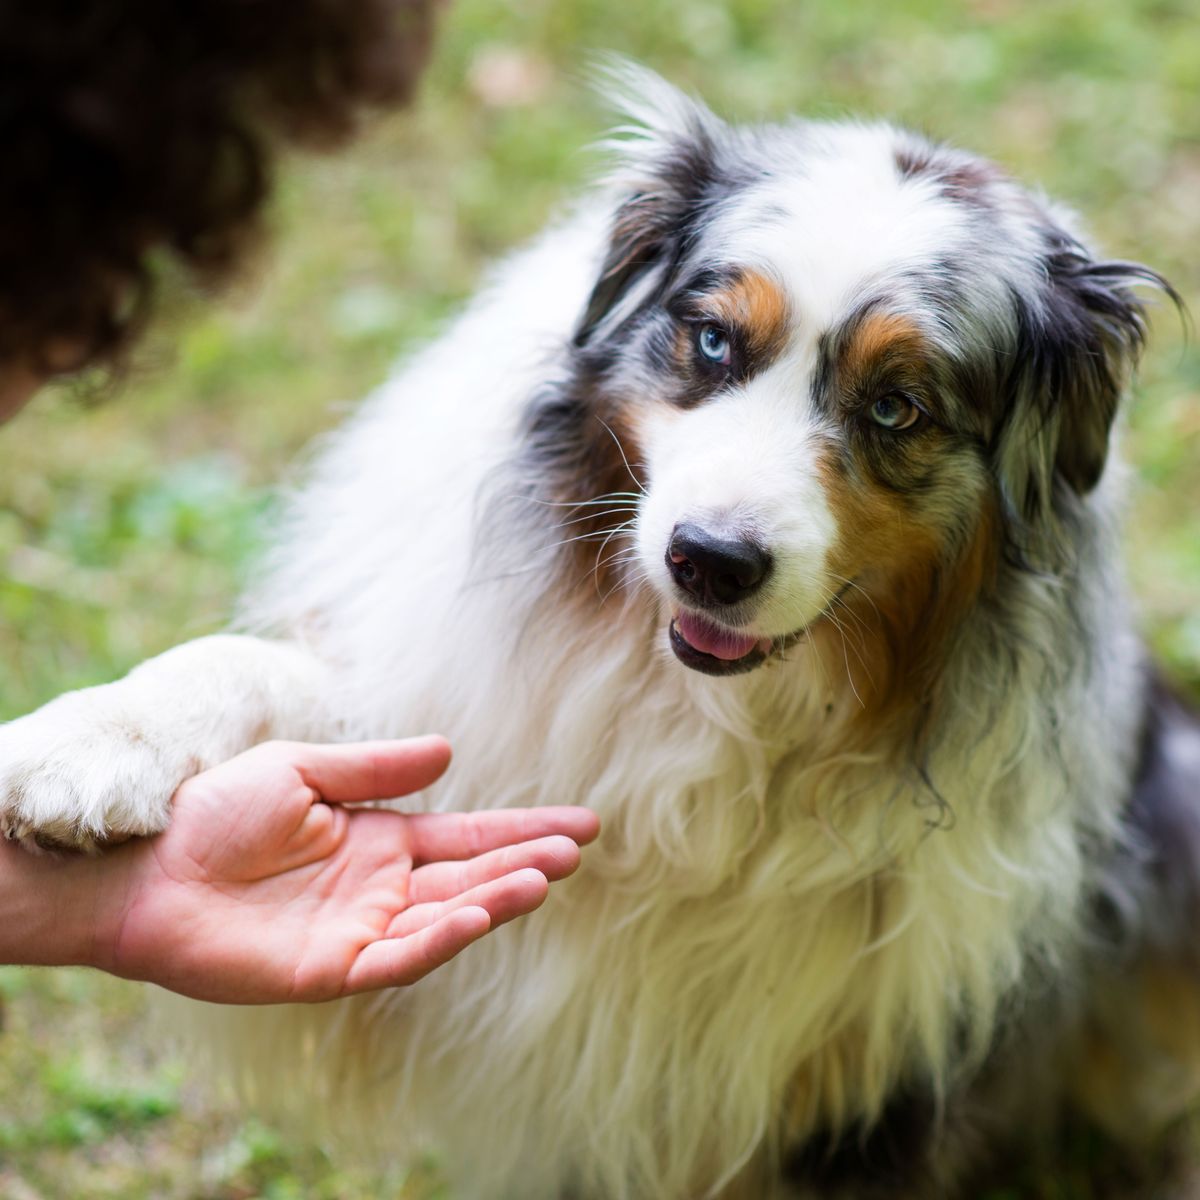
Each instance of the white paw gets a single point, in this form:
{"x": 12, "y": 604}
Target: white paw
{"x": 81, "y": 771}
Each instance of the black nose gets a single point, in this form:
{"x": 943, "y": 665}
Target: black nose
{"x": 714, "y": 569}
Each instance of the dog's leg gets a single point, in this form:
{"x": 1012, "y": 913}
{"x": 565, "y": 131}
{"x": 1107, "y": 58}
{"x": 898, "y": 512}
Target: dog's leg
{"x": 103, "y": 763}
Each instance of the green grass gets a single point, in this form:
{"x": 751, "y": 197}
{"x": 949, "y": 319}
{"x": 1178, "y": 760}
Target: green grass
{"x": 125, "y": 527}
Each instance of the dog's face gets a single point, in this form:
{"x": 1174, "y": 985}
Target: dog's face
{"x": 851, "y": 373}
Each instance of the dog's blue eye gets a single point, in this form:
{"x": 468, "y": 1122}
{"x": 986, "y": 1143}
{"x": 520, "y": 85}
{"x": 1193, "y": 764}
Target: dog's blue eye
{"x": 713, "y": 343}
{"x": 895, "y": 411}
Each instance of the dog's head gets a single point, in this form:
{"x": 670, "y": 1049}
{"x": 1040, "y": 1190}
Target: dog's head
{"x": 845, "y": 369}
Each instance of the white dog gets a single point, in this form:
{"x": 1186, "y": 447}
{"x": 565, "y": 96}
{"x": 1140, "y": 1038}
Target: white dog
{"x": 761, "y": 505}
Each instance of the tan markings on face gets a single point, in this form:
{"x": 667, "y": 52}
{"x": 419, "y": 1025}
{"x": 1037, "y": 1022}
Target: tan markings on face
{"x": 913, "y": 585}
{"x": 753, "y": 305}
{"x": 611, "y": 462}
{"x": 757, "y": 306}
{"x": 883, "y": 347}
{"x": 753, "y": 309}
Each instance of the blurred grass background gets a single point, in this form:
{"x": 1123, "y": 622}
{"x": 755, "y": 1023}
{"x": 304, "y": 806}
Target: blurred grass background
{"x": 125, "y": 526}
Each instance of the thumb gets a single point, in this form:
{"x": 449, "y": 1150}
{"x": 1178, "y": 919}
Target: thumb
{"x": 361, "y": 771}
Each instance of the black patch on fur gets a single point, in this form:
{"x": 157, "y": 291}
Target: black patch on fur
{"x": 903, "y": 461}
{"x": 1151, "y": 891}
{"x": 890, "y": 1158}
{"x": 571, "y": 431}
{"x": 577, "y": 443}
{"x": 654, "y": 230}
{"x": 689, "y": 308}
{"x": 1077, "y": 344}
{"x": 1077, "y": 340}
{"x": 960, "y": 178}
{"x": 915, "y": 160}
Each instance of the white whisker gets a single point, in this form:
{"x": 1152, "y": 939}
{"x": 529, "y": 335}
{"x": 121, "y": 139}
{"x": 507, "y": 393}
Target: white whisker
{"x": 623, "y": 458}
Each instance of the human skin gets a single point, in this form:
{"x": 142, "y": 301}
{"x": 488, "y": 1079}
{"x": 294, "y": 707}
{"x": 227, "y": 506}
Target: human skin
{"x": 268, "y": 888}
{"x": 264, "y": 889}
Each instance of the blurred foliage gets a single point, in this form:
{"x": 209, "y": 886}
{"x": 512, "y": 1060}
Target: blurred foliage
{"x": 127, "y": 519}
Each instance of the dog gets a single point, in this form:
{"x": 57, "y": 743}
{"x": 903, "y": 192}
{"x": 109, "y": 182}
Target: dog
{"x": 766, "y": 505}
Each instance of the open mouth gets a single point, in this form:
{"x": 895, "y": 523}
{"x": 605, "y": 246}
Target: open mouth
{"x": 705, "y": 646}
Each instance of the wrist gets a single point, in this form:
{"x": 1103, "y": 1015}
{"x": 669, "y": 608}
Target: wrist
{"x": 62, "y": 910}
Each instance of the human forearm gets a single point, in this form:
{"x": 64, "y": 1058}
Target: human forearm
{"x": 60, "y": 911}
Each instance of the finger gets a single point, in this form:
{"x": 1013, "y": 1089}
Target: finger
{"x": 436, "y": 837}
{"x": 359, "y": 771}
{"x": 554, "y": 857}
{"x": 510, "y": 896}
{"x": 395, "y": 962}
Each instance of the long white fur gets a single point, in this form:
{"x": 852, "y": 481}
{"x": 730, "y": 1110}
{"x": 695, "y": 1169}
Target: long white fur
{"x": 769, "y": 924}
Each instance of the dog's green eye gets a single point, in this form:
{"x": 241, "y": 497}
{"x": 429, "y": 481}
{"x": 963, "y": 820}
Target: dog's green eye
{"x": 895, "y": 411}
{"x": 713, "y": 343}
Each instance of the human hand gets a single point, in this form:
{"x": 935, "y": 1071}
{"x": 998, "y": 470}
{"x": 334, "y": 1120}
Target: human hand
{"x": 265, "y": 889}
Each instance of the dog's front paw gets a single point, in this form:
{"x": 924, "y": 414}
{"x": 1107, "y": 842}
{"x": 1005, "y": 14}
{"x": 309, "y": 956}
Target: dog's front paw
{"x": 80, "y": 772}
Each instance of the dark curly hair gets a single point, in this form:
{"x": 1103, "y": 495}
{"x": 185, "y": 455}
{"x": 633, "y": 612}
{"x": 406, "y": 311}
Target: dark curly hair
{"x": 134, "y": 129}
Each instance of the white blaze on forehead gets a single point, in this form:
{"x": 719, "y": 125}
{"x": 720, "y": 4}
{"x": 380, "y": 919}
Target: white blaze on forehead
{"x": 746, "y": 464}
{"x": 838, "y": 220}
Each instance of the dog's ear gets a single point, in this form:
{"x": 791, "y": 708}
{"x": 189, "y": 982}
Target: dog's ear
{"x": 1084, "y": 351}
{"x": 1079, "y": 336}
{"x": 667, "y": 172}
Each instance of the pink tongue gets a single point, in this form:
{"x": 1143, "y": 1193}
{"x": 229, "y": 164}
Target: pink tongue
{"x": 706, "y": 637}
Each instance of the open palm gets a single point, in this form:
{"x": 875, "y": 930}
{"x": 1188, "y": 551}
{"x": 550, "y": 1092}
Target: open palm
{"x": 265, "y": 889}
